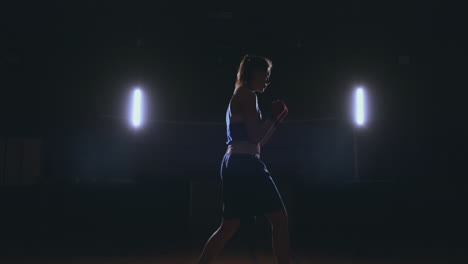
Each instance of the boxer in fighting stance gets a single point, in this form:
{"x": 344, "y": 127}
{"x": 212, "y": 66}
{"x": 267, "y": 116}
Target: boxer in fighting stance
{"x": 247, "y": 186}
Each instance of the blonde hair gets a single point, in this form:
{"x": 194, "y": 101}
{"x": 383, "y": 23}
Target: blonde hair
{"x": 248, "y": 64}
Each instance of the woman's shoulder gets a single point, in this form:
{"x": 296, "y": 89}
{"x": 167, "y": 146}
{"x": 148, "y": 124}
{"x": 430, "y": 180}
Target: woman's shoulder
{"x": 244, "y": 95}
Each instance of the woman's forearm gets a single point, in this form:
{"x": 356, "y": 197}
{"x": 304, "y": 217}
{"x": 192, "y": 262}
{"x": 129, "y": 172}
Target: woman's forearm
{"x": 267, "y": 137}
{"x": 269, "y": 133}
{"x": 265, "y": 128}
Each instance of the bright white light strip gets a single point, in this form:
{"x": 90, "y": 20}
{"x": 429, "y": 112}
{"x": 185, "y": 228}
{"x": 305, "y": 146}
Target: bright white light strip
{"x": 359, "y": 110}
{"x": 137, "y": 106}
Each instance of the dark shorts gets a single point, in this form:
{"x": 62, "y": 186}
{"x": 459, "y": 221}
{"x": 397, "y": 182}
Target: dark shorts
{"x": 248, "y": 188}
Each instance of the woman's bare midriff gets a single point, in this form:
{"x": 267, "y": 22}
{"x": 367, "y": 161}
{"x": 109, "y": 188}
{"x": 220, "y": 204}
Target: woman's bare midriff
{"x": 243, "y": 147}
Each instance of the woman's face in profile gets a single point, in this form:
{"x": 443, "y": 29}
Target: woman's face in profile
{"x": 260, "y": 80}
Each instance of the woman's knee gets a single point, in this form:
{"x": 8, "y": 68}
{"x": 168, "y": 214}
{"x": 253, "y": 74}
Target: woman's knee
{"x": 278, "y": 218}
{"x": 229, "y": 226}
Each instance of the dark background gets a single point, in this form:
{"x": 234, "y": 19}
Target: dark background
{"x": 68, "y": 68}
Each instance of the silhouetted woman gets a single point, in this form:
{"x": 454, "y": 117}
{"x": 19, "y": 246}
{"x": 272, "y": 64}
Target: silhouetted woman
{"x": 248, "y": 188}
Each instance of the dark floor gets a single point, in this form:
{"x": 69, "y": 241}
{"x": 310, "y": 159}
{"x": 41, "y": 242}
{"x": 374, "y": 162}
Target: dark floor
{"x": 237, "y": 251}
{"x": 373, "y": 224}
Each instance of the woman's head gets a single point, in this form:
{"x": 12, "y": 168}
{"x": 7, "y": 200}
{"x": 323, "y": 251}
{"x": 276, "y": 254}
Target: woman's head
{"x": 254, "y": 73}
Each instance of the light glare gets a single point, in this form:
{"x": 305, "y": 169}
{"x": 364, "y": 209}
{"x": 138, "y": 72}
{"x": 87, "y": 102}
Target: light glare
{"x": 137, "y": 110}
{"x": 359, "y": 107}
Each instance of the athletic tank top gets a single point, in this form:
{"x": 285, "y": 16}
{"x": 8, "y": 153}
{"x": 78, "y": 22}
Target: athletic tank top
{"x": 237, "y": 130}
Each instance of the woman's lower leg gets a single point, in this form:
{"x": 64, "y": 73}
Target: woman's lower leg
{"x": 213, "y": 246}
{"x": 280, "y": 241}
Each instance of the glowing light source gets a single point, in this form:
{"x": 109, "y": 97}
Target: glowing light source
{"x": 359, "y": 107}
{"x": 137, "y": 108}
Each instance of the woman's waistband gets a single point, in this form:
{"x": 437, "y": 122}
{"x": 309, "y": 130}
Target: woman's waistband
{"x": 243, "y": 147}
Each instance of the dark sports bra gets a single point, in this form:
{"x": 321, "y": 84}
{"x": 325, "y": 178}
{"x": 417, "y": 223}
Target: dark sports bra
{"x": 236, "y": 130}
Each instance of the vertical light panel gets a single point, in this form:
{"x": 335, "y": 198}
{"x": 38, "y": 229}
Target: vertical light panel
{"x": 137, "y": 108}
{"x": 359, "y": 107}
